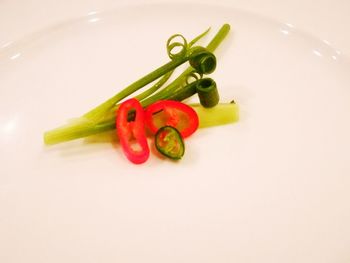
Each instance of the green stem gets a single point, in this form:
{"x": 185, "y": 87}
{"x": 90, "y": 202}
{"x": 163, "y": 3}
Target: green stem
{"x": 174, "y": 86}
{"x": 109, "y": 114}
{"x": 197, "y": 38}
{"x": 218, "y": 38}
{"x": 179, "y": 81}
{"x": 97, "y": 113}
{"x": 155, "y": 87}
{"x": 68, "y": 133}
{"x": 223, "y": 113}
{"x": 84, "y": 129}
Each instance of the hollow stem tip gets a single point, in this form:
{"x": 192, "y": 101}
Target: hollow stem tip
{"x": 208, "y": 93}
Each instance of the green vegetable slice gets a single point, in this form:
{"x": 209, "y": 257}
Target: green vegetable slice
{"x": 208, "y": 93}
{"x": 221, "y": 114}
{"x": 169, "y": 142}
{"x": 101, "y": 118}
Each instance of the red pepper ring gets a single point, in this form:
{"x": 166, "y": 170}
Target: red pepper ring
{"x": 132, "y": 134}
{"x": 170, "y": 109}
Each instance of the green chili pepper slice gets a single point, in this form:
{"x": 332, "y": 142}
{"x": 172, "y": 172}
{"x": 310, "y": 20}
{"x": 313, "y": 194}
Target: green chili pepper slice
{"x": 169, "y": 142}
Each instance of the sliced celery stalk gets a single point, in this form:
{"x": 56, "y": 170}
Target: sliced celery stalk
{"x": 223, "y": 113}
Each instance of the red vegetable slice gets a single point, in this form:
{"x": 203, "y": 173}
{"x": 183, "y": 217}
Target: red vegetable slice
{"x": 171, "y": 113}
{"x": 132, "y": 134}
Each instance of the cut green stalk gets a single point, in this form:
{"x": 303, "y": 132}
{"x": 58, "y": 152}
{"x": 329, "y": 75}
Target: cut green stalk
{"x": 213, "y": 44}
{"x": 97, "y": 113}
{"x": 175, "y": 86}
{"x": 179, "y": 95}
{"x": 69, "y": 133}
{"x": 85, "y": 127}
{"x": 208, "y": 93}
{"x": 181, "y": 79}
{"x": 155, "y": 87}
{"x": 223, "y": 113}
{"x": 111, "y": 113}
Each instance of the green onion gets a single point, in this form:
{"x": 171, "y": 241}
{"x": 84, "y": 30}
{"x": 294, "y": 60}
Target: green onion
{"x": 197, "y": 58}
{"x": 181, "y": 79}
{"x": 208, "y": 93}
{"x": 221, "y": 114}
{"x": 68, "y": 133}
{"x": 155, "y": 87}
{"x": 102, "y": 119}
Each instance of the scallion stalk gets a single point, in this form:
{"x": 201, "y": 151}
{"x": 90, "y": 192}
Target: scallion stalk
{"x": 101, "y": 118}
{"x": 223, "y": 113}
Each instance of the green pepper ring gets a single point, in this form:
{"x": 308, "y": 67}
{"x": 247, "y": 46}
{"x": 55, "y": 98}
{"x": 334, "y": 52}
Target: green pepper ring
{"x": 174, "y": 147}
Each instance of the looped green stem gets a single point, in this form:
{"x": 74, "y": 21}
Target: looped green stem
{"x": 208, "y": 93}
{"x": 192, "y": 77}
{"x": 202, "y": 60}
{"x": 96, "y": 121}
{"x": 177, "y": 46}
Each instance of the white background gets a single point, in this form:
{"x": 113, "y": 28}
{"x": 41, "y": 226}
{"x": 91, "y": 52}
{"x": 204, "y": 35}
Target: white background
{"x": 327, "y": 19}
{"x": 55, "y": 209}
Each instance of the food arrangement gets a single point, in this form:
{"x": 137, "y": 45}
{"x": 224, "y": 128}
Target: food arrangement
{"x": 159, "y": 112}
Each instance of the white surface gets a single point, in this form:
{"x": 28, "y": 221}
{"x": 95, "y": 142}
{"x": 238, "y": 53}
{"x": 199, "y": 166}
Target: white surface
{"x": 327, "y": 19}
{"x": 271, "y": 188}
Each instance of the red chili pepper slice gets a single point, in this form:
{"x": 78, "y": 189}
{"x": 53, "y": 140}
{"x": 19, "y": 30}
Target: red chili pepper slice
{"x": 132, "y": 134}
{"x": 171, "y": 113}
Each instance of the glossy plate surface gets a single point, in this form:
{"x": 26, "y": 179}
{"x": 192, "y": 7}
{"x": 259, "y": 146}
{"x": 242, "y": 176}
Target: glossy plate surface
{"x": 273, "y": 187}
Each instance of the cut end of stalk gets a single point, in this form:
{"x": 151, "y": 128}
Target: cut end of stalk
{"x": 221, "y": 114}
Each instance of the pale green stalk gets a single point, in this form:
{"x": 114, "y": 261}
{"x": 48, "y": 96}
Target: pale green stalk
{"x": 223, "y": 113}
{"x": 98, "y": 112}
{"x": 83, "y": 129}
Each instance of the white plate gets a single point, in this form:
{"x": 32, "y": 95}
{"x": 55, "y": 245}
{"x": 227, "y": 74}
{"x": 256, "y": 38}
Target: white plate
{"x": 272, "y": 188}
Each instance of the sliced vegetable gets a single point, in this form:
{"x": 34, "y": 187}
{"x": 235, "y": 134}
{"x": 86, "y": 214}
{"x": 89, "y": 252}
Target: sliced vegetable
{"x": 132, "y": 134}
{"x": 171, "y": 113}
{"x": 199, "y": 58}
{"x": 208, "y": 93}
{"x": 169, "y": 142}
{"x": 223, "y": 113}
{"x": 101, "y": 118}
